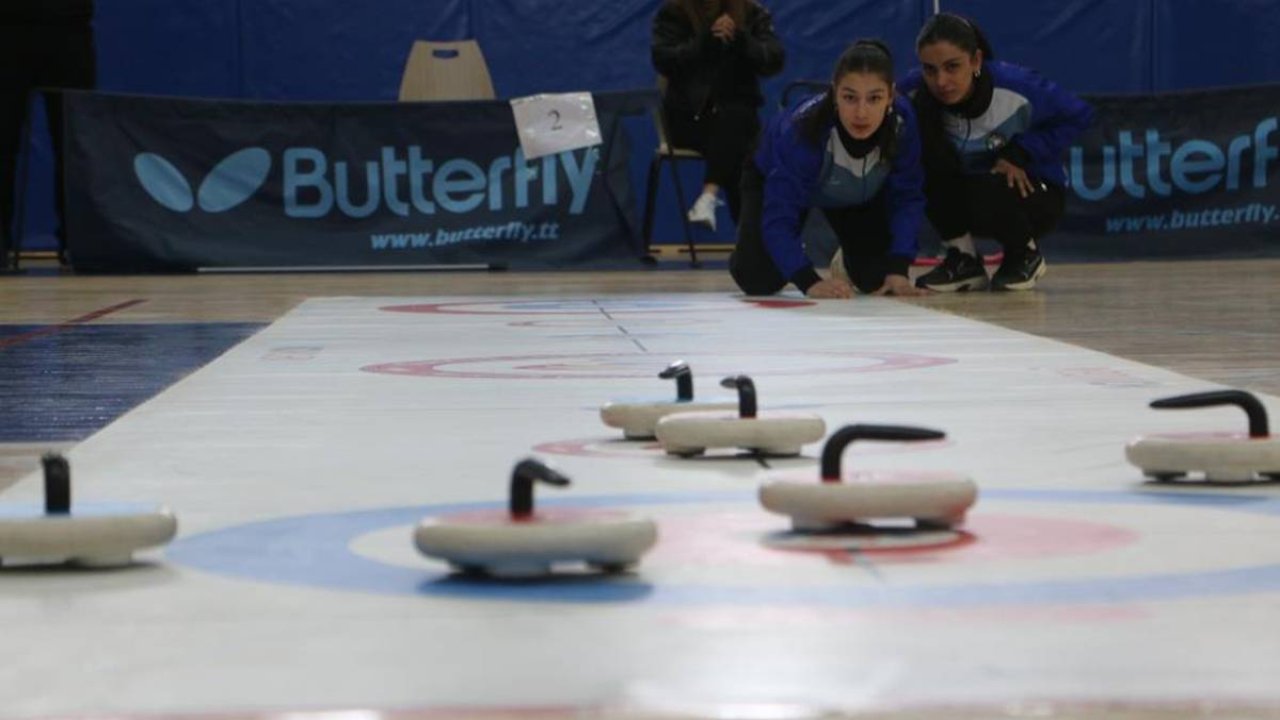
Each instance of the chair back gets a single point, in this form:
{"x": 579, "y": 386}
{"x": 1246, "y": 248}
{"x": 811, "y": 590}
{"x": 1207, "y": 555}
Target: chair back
{"x": 446, "y": 71}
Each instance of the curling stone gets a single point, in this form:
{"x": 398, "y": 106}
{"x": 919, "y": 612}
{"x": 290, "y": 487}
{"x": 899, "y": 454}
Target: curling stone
{"x": 774, "y": 433}
{"x": 934, "y": 500}
{"x": 103, "y": 536}
{"x": 1219, "y": 456}
{"x": 637, "y": 418}
{"x": 524, "y": 543}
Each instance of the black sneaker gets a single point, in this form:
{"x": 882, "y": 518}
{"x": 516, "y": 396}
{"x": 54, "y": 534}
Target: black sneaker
{"x": 1019, "y": 272}
{"x": 957, "y": 272}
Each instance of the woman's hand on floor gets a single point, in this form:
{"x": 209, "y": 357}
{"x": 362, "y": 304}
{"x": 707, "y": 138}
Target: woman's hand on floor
{"x": 899, "y": 285}
{"x": 829, "y": 290}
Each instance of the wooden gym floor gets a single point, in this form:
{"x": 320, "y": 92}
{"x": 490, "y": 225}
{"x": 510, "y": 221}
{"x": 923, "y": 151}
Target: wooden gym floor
{"x": 1213, "y": 320}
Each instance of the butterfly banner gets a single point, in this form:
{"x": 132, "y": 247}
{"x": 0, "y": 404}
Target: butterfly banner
{"x": 183, "y": 184}
{"x": 1175, "y": 175}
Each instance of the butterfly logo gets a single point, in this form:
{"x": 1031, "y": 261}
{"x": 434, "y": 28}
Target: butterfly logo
{"x": 231, "y": 182}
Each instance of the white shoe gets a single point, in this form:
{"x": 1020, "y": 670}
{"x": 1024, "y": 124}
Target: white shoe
{"x": 704, "y": 210}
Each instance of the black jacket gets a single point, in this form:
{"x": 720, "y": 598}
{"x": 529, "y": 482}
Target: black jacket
{"x": 702, "y": 71}
{"x": 41, "y": 12}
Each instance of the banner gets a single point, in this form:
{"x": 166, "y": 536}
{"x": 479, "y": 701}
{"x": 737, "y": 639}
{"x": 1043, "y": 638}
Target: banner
{"x": 1189, "y": 174}
{"x": 180, "y": 184}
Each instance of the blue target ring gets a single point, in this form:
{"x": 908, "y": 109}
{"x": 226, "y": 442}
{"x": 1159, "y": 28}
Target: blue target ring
{"x": 314, "y": 551}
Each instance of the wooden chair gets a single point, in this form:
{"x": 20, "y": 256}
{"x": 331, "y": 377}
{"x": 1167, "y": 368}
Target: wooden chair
{"x": 446, "y": 71}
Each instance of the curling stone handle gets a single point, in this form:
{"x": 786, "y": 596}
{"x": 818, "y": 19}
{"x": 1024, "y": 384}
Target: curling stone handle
{"x": 1245, "y": 401}
{"x": 525, "y": 474}
{"x": 840, "y": 439}
{"x": 57, "y": 484}
{"x": 746, "y": 394}
{"x": 684, "y": 379}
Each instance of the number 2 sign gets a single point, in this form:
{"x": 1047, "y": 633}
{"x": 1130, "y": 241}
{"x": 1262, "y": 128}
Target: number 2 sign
{"x": 554, "y": 123}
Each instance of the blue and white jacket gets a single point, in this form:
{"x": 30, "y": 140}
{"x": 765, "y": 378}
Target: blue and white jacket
{"x": 799, "y": 175}
{"x": 1030, "y": 122}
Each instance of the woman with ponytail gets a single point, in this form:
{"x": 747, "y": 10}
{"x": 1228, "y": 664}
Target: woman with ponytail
{"x": 995, "y": 136}
{"x": 852, "y": 152}
{"x": 713, "y": 54}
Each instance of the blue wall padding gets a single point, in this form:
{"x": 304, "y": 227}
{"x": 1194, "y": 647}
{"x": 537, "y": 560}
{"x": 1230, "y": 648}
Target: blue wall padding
{"x": 1206, "y": 43}
{"x": 336, "y": 50}
{"x": 319, "y": 50}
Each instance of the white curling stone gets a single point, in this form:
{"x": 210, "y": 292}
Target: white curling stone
{"x": 507, "y": 548}
{"x": 939, "y": 498}
{"x": 1222, "y": 457}
{"x": 638, "y": 418}
{"x": 777, "y": 432}
{"x": 102, "y": 536}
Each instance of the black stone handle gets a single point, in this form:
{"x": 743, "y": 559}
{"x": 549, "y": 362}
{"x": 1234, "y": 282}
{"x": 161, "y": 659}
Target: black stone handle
{"x": 684, "y": 379}
{"x": 746, "y": 394}
{"x": 1214, "y": 398}
{"x": 840, "y": 439}
{"x": 525, "y": 474}
{"x": 57, "y": 484}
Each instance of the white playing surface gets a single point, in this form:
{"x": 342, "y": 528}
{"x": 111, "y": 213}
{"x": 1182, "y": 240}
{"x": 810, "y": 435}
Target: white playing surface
{"x": 298, "y": 463}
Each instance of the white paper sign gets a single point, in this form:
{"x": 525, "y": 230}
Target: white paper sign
{"x": 554, "y": 123}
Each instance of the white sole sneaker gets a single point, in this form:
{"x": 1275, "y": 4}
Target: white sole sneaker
{"x": 973, "y": 283}
{"x": 1030, "y": 282}
{"x": 703, "y": 211}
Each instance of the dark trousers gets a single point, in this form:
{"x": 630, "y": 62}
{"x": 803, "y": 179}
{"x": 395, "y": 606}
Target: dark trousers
{"x": 35, "y": 56}
{"x": 863, "y": 231}
{"x": 724, "y": 134}
{"x": 986, "y": 206}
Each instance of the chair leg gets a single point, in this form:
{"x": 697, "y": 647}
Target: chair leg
{"x": 684, "y": 220}
{"x": 19, "y": 229}
{"x": 650, "y": 202}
